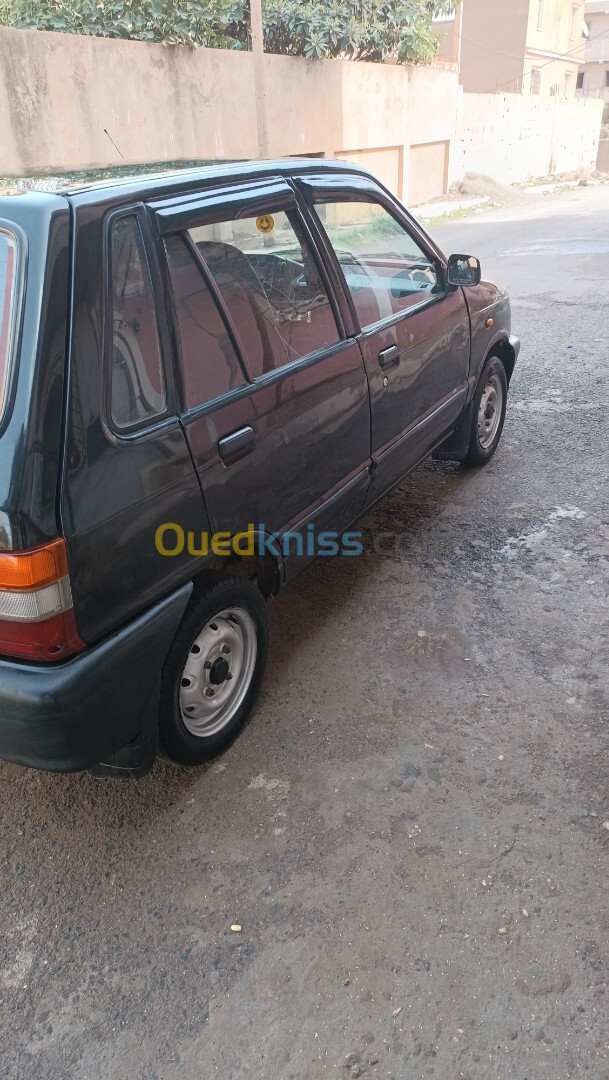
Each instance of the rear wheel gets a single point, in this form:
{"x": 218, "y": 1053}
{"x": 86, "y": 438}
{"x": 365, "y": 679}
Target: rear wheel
{"x": 213, "y": 670}
{"x": 488, "y": 412}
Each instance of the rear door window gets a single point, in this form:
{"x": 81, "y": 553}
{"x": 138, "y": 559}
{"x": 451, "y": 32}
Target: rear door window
{"x": 210, "y": 365}
{"x": 9, "y": 303}
{"x": 269, "y": 281}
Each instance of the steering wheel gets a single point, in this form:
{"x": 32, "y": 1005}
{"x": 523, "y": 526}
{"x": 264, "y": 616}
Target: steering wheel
{"x": 418, "y": 275}
{"x": 420, "y": 278}
{"x": 279, "y": 285}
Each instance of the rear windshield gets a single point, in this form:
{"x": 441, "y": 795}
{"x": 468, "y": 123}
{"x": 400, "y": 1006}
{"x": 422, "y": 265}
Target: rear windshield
{"x": 9, "y": 255}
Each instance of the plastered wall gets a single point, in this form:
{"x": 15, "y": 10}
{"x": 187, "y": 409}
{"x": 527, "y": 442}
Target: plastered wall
{"x": 63, "y": 98}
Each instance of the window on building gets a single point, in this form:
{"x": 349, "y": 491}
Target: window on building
{"x": 540, "y": 13}
{"x": 137, "y": 380}
{"x": 575, "y": 16}
{"x": 580, "y": 81}
{"x": 568, "y": 83}
{"x": 536, "y": 80}
{"x": 607, "y": 78}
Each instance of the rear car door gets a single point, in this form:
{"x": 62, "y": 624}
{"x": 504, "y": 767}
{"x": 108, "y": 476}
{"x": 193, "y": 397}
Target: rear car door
{"x": 127, "y": 468}
{"x": 274, "y": 393}
{"x": 413, "y": 332}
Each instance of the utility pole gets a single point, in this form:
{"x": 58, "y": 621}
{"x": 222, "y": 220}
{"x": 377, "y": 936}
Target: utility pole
{"x": 457, "y": 40}
{"x": 259, "y": 76}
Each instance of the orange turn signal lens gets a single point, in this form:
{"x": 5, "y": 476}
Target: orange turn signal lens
{"x": 35, "y": 568}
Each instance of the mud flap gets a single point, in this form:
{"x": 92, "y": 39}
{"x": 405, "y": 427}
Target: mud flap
{"x": 456, "y": 446}
{"x": 136, "y": 759}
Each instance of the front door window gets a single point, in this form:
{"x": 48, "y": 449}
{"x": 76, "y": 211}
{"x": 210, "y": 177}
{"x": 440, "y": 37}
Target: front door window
{"x": 386, "y": 271}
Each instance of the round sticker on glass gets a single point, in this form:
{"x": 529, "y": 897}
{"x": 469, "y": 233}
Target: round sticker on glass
{"x": 265, "y": 223}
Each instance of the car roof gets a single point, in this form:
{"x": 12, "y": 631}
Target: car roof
{"x": 150, "y": 181}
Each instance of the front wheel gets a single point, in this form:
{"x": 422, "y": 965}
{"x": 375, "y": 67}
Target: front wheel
{"x": 213, "y": 670}
{"x": 488, "y": 413}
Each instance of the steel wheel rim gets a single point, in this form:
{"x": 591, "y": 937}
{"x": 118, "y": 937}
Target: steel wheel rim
{"x": 489, "y": 413}
{"x": 218, "y": 672}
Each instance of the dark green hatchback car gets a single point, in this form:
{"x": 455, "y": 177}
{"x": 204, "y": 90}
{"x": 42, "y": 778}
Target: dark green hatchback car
{"x": 206, "y": 377}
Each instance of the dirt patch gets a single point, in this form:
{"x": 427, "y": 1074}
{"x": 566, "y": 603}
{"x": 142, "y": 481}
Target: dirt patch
{"x": 477, "y": 184}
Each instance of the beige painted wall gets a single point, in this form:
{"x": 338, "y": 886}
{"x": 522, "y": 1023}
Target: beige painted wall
{"x": 413, "y": 127}
{"x": 492, "y": 45}
{"x": 156, "y": 102}
{"x": 59, "y": 93}
{"x": 502, "y": 43}
{"x": 445, "y": 29}
{"x": 429, "y": 165}
{"x": 560, "y": 30}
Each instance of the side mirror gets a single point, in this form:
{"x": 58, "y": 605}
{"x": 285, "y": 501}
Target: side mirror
{"x": 464, "y": 270}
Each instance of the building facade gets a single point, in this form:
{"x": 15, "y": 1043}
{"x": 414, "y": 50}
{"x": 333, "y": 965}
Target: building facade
{"x": 518, "y": 46}
{"x": 593, "y": 76}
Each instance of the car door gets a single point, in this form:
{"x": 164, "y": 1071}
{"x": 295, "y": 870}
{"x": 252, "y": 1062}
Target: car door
{"x": 413, "y": 331}
{"x": 274, "y": 393}
{"x": 127, "y": 468}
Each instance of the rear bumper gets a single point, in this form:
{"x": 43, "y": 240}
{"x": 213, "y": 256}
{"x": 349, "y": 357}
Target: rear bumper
{"x": 73, "y": 715}
{"x": 515, "y": 343}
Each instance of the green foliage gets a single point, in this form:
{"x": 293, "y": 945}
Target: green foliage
{"x": 355, "y": 29}
{"x": 173, "y": 22}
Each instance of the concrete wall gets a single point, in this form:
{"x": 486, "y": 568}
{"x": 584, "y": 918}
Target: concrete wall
{"x": 60, "y": 94}
{"x": 602, "y": 161}
{"x": 62, "y": 97}
{"x": 514, "y": 137}
{"x": 493, "y": 39}
{"x": 503, "y": 42}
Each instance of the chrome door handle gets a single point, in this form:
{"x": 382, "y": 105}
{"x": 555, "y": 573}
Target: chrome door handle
{"x": 389, "y": 357}
{"x": 235, "y": 446}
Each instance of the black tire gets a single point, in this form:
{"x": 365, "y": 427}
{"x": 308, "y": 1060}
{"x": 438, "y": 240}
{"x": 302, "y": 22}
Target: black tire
{"x": 493, "y": 373}
{"x": 178, "y": 742}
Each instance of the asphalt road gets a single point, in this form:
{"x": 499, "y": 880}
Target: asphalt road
{"x": 413, "y": 830}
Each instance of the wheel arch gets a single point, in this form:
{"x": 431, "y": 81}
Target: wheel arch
{"x": 263, "y": 567}
{"x": 504, "y": 350}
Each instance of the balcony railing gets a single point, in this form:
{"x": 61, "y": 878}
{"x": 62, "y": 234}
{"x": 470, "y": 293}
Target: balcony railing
{"x": 598, "y": 51}
{"x": 601, "y": 92}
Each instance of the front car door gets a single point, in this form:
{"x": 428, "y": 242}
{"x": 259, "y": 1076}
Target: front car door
{"x": 274, "y": 393}
{"x": 413, "y": 331}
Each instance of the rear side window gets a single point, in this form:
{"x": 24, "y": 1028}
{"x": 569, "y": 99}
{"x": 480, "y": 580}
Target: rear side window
{"x": 210, "y": 365}
{"x": 137, "y": 381}
{"x": 9, "y": 256}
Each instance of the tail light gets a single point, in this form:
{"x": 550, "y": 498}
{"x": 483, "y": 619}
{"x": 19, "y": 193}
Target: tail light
{"x": 36, "y": 615}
